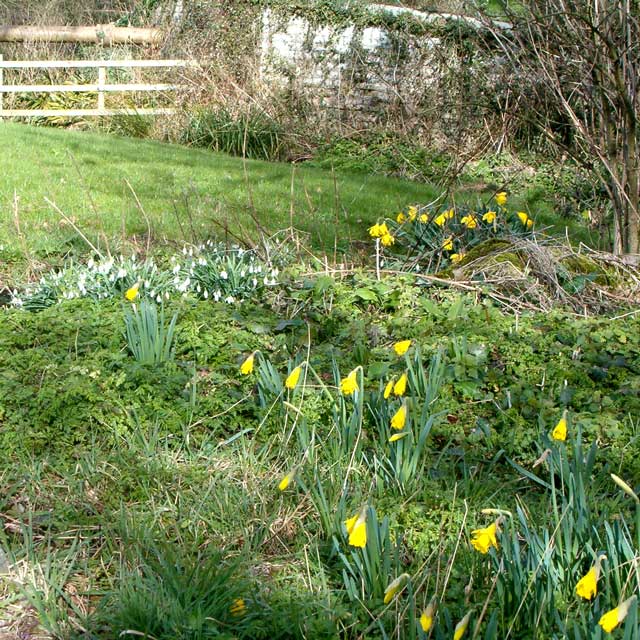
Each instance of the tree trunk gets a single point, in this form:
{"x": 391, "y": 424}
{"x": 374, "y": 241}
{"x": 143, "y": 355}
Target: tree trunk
{"x": 105, "y": 34}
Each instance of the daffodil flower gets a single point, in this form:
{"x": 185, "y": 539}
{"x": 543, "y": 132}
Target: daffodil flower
{"x": 489, "y": 217}
{"x": 401, "y": 347}
{"x": 587, "y": 586}
{"x": 412, "y": 212}
{"x": 399, "y": 418}
{"x": 398, "y": 436}
{"x": 560, "y": 430}
{"x": 525, "y": 219}
{"x": 440, "y": 220}
{"x": 447, "y": 244}
{"x": 426, "y": 619}
{"x": 388, "y": 389}
{"x": 387, "y": 240}
{"x": 501, "y": 198}
{"x": 611, "y": 619}
{"x": 238, "y": 608}
{"x": 456, "y": 257}
{"x": 132, "y": 293}
{"x": 401, "y": 217}
{"x": 247, "y": 366}
{"x": 483, "y": 539}
{"x": 357, "y": 528}
{"x": 469, "y": 221}
{"x": 395, "y": 586}
{"x": 349, "y": 385}
{"x": 424, "y": 218}
{"x": 400, "y": 387}
{"x": 292, "y": 379}
{"x": 286, "y": 481}
{"x": 461, "y": 627}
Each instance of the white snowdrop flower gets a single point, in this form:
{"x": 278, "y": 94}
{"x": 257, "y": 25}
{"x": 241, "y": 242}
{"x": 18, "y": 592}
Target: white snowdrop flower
{"x": 90, "y": 263}
{"x": 205, "y": 294}
{"x": 275, "y": 272}
{"x": 217, "y": 295}
{"x": 243, "y": 273}
{"x": 133, "y": 258}
{"x": 152, "y": 294}
{"x": 166, "y": 295}
{"x": 229, "y": 299}
{"x": 184, "y": 251}
{"x": 147, "y": 284}
{"x": 254, "y": 282}
{"x": 382, "y": 263}
{"x": 121, "y": 273}
{"x": 224, "y": 275}
{"x": 193, "y": 264}
{"x": 112, "y": 277}
{"x": 158, "y": 298}
{"x": 202, "y": 262}
{"x": 240, "y": 252}
{"x": 198, "y": 288}
{"x": 176, "y": 269}
{"x": 258, "y": 269}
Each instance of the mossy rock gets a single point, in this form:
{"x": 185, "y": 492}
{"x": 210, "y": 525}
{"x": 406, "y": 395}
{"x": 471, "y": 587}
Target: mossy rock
{"x": 495, "y": 250}
{"x": 581, "y": 265}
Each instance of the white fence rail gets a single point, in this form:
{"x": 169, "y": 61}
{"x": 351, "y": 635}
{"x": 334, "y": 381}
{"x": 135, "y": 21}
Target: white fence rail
{"x": 101, "y": 87}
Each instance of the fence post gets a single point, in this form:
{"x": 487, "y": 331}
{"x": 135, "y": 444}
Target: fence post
{"x": 102, "y": 80}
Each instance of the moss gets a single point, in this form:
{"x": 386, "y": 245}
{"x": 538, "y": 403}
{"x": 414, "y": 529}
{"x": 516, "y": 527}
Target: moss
{"x": 581, "y": 265}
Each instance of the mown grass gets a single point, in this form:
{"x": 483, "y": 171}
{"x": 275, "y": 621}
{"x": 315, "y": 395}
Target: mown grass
{"x": 183, "y": 192}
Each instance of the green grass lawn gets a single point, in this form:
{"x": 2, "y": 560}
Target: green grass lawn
{"x": 184, "y": 192}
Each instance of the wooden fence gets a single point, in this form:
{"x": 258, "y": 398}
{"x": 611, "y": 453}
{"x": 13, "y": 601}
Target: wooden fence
{"x": 101, "y": 87}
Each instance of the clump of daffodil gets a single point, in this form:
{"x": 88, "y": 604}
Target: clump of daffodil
{"x": 132, "y": 293}
{"x": 399, "y": 418}
{"x": 525, "y": 219}
{"x": 560, "y": 430}
{"x": 247, "y": 366}
{"x": 426, "y": 619}
{"x": 611, "y": 619}
{"x": 441, "y": 219}
{"x": 483, "y": 539}
{"x": 587, "y": 586}
{"x": 469, "y": 221}
{"x": 461, "y": 627}
{"x": 292, "y": 379}
{"x": 401, "y": 347}
{"x": 489, "y": 217}
{"x": 456, "y": 257}
{"x": 357, "y": 528}
{"x": 349, "y": 385}
{"x": 238, "y": 608}
{"x": 400, "y": 387}
{"x": 501, "y": 198}
{"x": 378, "y": 230}
{"x": 447, "y": 244}
{"x": 394, "y": 587}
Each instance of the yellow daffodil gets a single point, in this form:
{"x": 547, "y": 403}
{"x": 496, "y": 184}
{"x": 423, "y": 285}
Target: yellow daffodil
{"x": 412, "y": 212}
{"x": 501, "y": 198}
{"x": 587, "y": 586}
{"x": 461, "y": 627}
{"x": 440, "y": 220}
{"x": 449, "y": 214}
{"x": 424, "y": 218}
{"x": 525, "y": 219}
{"x": 489, "y": 217}
{"x": 400, "y": 387}
{"x": 456, "y": 257}
{"x": 378, "y": 230}
{"x": 395, "y": 586}
{"x": 399, "y": 419}
{"x": 357, "y": 528}
{"x": 292, "y": 379}
{"x": 483, "y": 539}
{"x": 238, "y": 608}
{"x": 387, "y": 240}
{"x": 560, "y": 430}
{"x": 398, "y": 436}
{"x": 426, "y": 619}
{"x": 132, "y": 293}
{"x": 349, "y": 385}
{"x": 388, "y": 389}
{"x": 611, "y": 619}
{"x": 285, "y": 482}
{"x": 247, "y": 366}
{"x": 469, "y": 221}
{"x": 401, "y": 347}
{"x": 401, "y": 217}
{"x": 447, "y": 244}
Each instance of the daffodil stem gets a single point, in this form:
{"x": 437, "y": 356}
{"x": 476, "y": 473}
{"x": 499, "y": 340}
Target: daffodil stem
{"x": 378, "y": 259}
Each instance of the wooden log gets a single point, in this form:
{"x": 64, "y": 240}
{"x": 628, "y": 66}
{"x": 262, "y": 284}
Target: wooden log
{"x": 103, "y": 34}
